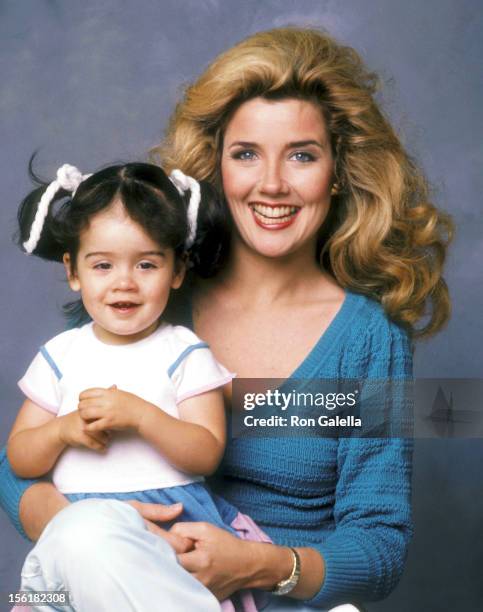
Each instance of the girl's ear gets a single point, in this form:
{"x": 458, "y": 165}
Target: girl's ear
{"x": 178, "y": 272}
{"x": 72, "y": 278}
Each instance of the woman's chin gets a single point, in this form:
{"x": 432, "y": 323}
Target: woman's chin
{"x": 273, "y": 250}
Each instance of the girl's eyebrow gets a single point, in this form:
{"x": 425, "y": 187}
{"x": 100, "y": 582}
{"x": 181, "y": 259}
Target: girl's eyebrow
{"x": 108, "y": 253}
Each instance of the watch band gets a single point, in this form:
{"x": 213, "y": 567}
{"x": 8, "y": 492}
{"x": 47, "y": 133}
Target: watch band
{"x": 285, "y": 586}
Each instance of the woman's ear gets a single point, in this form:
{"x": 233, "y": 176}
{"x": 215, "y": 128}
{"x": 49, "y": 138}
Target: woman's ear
{"x": 179, "y": 272}
{"x": 72, "y": 278}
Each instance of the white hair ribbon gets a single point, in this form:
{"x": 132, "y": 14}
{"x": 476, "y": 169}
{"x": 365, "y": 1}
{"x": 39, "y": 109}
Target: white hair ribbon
{"x": 68, "y": 178}
{"x": 182, "y": 182}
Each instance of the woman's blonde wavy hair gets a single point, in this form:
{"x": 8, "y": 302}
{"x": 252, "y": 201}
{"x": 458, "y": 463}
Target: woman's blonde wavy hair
{"x": 383, "y": 237}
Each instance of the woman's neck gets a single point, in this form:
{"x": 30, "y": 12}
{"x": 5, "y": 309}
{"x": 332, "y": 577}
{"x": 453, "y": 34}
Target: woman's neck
{"x": 254, "y": 279}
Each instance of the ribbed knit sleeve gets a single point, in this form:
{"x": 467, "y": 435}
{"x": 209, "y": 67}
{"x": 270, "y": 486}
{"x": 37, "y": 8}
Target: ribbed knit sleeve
{"x": 11, "y": 490}
{"x": 364, "y": 556}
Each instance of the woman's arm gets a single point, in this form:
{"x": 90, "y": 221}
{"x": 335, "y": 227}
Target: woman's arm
{"x": 194, "y": 443}
{"x": 12, "y": 493}
{"x": 37, "y": 506}
{"x": 38, "y": 437}
{"x": 363, "y": 557}
{"x": 31, "y": 504}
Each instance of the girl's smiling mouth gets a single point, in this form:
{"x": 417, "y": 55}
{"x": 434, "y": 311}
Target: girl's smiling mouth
{"x": 274, "y": 216}
{"x": 124, "y": 307}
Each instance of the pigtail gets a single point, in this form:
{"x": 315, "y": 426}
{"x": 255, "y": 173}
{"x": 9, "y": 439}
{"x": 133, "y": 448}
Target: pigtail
{"x": 211, "y": 245}
{"x": 49, "y": 245}
{"x": 39, "y": 229}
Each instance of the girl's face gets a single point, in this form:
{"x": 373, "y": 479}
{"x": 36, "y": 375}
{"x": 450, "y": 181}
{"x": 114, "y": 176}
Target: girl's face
{"x": 277, "y": 170}
{"x": 123, "y": 275}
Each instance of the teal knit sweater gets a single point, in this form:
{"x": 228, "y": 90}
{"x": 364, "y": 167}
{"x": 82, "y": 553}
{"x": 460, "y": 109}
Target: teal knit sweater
{"x": 348, "y": 498}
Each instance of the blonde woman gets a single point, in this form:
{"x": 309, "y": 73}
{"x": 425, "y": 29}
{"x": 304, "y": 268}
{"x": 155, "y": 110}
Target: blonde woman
{"x": 324, "y": 261}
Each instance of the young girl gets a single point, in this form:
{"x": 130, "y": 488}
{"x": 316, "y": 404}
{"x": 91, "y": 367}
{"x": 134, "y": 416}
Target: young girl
{"x": 126, "y": 406}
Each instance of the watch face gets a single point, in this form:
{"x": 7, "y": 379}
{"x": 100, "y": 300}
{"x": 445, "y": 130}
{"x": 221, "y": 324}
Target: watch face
{"x": 285, "y": 586}
{"x": 284, "y": 589}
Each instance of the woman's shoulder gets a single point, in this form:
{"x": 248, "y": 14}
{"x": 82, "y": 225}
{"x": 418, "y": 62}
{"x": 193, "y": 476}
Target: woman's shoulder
{"x": 375, "y": 340}
{"x": 369, "y": 318}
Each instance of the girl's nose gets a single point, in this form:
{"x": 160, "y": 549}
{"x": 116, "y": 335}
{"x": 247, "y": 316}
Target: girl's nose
{"x": 125, "y": 282}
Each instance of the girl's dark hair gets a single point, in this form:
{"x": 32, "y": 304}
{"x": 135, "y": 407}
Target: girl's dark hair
{"x": 148, "y": 197}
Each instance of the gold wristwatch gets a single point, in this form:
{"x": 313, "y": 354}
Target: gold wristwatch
{"x": 285, "y": 586}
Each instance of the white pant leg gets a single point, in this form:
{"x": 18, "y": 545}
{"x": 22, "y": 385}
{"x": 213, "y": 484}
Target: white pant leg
{"x": 287, "y": 604}
{"x": 101, "y": 552}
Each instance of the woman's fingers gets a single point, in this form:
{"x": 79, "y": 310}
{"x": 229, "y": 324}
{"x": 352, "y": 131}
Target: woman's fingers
{"x": 179, "y": 544}
{"x": 193, "y": 561}
{"x": 160, "y": 513}
{"x": 193, "y": 531}
{"x": 157, "y": 512}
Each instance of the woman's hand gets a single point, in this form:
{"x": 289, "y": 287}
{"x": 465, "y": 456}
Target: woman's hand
{"x": 225, "y": 563}
{"x": 219, "y": 560}
{"x": 72, "y": 430}
{"x": 105, "y": 409}
{"x": 157, "y": 513}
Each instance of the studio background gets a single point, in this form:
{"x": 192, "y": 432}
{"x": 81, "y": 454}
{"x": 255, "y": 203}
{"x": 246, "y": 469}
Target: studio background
{"x": 93, "y": 83}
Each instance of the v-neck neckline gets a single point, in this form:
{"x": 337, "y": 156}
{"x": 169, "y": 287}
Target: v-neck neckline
{"x": 327, "y": 343}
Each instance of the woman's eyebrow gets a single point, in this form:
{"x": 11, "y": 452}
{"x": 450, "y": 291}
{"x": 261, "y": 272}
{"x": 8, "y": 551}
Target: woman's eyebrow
{"x": 304, "y": 143}
{"x": 243, "y": 143}
{"x": 290, "y": 145}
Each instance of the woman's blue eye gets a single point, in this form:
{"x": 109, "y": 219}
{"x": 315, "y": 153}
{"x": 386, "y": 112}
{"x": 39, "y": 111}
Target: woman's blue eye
{"x": 303, "y": 156}
{"x": 245, "y": 155}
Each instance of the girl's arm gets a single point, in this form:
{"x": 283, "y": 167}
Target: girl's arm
{"x": 34, "y": 443}
{"x": 194, "y": 443}
{"x": 38, "y": 437}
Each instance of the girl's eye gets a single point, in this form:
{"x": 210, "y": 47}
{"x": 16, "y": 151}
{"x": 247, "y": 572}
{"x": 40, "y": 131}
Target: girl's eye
{"x": 244, "y": 155}
{"x": 103, "y": 265}
{"x": 303, "y": 156}
{"x": 147, "y": 265}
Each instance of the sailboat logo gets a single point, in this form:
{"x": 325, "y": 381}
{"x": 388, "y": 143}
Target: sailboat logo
{"x": 448, "y": 422}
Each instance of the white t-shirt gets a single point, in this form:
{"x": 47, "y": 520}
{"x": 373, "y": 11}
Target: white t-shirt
{"x": 165, "y": 368}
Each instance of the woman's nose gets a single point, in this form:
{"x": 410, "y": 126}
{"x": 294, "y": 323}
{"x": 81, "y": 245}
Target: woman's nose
{"x": 273, "y": 181}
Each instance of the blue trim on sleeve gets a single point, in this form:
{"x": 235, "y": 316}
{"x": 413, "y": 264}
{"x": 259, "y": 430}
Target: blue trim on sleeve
{"x": 48, "y": 358}
{"x": 184, "y": 354}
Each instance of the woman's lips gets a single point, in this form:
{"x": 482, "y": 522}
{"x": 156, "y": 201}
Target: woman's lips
{"x": 274, "y": 217}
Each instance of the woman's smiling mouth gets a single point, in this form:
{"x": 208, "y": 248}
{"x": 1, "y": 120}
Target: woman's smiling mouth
{"x": 274, "y": 216}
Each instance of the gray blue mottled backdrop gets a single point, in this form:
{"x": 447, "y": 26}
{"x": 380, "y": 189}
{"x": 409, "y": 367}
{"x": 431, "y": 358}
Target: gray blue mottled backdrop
{"x": 93, "y": 82}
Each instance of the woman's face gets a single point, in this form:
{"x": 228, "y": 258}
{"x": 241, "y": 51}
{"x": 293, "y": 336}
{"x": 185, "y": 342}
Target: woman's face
{"x": 277, "y": 170}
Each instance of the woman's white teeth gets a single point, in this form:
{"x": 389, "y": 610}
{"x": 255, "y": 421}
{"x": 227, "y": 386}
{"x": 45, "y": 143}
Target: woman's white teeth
{"x": 277, "y": 214}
